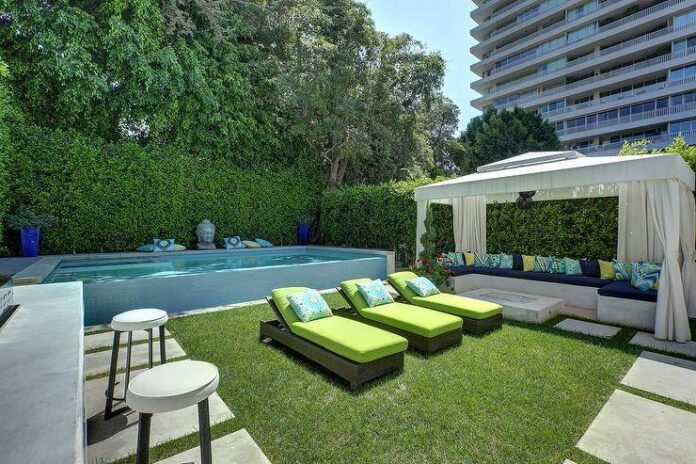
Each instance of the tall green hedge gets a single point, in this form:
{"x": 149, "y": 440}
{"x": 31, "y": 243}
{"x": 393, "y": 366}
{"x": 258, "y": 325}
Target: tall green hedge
{"x": 384, "y": 216}
{"x": 116, "y": 196}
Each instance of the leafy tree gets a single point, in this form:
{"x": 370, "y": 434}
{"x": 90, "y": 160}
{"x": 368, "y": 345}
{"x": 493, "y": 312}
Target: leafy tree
{"x": 679, "y": 146}
{"x": 497, "y": 135}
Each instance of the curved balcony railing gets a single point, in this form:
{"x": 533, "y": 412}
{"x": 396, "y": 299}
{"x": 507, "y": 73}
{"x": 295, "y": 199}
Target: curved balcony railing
{"x": 645, "y": 90}
{"x": 656, "y": 142}
{"x": 600, "y": 77}
{"x": 628, "y": 119}
{"x": 518, "y": 21}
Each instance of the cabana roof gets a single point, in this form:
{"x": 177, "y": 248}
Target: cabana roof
{"x": 563, "y": 171}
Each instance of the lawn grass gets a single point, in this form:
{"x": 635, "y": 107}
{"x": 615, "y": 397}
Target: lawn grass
{"x": 520, "y": 394}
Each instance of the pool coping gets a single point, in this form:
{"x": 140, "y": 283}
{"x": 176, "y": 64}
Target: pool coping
{"x": 37, "y": 272}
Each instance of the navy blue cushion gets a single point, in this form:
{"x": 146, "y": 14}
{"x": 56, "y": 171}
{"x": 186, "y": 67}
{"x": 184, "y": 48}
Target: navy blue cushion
{"x": 580, "y": 280}
{"x": 590, "y": 267}
{"x": 517, "y": 264}
{"x": 623, "y": 289}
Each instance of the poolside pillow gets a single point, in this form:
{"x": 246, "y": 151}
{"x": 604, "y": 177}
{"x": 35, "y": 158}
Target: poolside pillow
{"x": 375, "y": 293}
{"x": 557, "y": 265}
{"x": 494, "y": 261}
{"x": 469, "y": 259}
{"x": 233, "y": 242}
{"x": 250, "y": 244}
{"x": 646, "y": 276}
{"x": 263, "y": 243}
{"x": 528, "y": 263}
{"x": 422, "y": 286}
{"x": 623, "y": 269}
{"x": 147, "y": 247}
{"x": 506, "y": 261}
{"x": 606, "y": 270}
{"x": 309, "y": 305}
{"x": 178, "y": 247}
{"x": 481, "y": 260}
{"x": 572, "y": 266}
{"x": 163, "y": 244}
{"x": 590, "y": 267}
{"x": 542, "y": 263}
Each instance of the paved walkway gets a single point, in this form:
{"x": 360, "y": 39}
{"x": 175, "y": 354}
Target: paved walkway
{"x": 11, "y": 266}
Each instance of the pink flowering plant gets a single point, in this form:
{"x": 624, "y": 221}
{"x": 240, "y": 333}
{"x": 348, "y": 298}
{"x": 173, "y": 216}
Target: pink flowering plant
{"x": 431, "y": 267}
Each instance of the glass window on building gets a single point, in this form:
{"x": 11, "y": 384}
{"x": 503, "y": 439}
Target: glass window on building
{"x": 581, "y": 10}
{"x": 683, "y": 44}
{"x": 687, "y": 125}
{"x": 553, "y": 106}
{"x": 685, "y": 18}
{"x": 582, "y": 32}
{"x": 682, "y": 73}
{"x": 555, "y": 65}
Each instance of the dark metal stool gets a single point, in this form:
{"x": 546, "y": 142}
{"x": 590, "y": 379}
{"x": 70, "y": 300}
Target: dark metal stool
{"x": 171, "y": 387}
{"x": 129, "y": 321}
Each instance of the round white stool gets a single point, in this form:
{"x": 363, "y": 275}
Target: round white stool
{"x": 137, "y": 319}
{"x": 171, "y": 387}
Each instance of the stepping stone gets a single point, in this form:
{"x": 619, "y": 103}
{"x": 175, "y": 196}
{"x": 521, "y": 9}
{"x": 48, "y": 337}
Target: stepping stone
{"x": 116, "y": 438}
{"x": 99, "y": 362}
{"x": 106, "y": 339}
{"x": 588, "y": 328}
{"x": 568, "y": 461}
{"x": 648, "y": 340}
{"x": 634, "y": 430}
{"x": 664, "y": 375}
{"x": 235, "y": 448}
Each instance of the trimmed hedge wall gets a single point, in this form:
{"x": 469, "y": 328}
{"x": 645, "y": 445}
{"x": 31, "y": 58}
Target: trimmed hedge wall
{"x": 384, "y": 216}
{"x": 116, "y": 196}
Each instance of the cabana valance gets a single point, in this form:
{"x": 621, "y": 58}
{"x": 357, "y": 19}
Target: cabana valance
{"x": 657, "y": 217}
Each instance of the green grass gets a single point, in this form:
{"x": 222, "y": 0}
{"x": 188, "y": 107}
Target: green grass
{"x": 520, "y": 394}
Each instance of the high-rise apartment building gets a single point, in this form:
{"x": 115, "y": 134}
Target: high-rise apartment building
{"x": 601, "y": 71}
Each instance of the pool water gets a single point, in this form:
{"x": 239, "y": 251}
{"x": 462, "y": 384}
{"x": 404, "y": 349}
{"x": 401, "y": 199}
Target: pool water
{"x": 148, "y": 267}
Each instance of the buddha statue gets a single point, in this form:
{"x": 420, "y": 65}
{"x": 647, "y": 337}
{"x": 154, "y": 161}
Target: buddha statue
{"x": 205, "y": 231}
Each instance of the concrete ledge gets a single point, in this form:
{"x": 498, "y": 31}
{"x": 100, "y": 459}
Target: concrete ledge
{"x": 629, "y": 313}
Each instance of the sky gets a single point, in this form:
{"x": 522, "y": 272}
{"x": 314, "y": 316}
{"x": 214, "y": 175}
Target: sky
{"x": 442, "y": 25}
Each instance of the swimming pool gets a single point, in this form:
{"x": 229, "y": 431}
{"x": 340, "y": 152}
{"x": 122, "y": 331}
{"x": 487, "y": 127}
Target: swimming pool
{"x": 185, "y": 281}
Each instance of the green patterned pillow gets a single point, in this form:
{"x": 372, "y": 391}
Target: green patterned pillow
{"x": 623, "y": 270}
{"x": 450, "y": 259}
{"x": 542, "y": 263}
{"x": 494, "y": 261}
{"x": 573, "y": 266}
{"x": 481, "y": 260}
{"x": 505, "y": 261}
{"x": 646, "y": 276}
{"x": 557, "y": 265}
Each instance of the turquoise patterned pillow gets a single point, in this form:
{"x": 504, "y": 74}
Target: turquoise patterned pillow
{"x": 623, "y": 270}
{"x": 494, "y": 261}
{"x": 451, "y": 259}
{"x": 558, "y": 265}
{"x": 422, "y": 286}
{"x": 542, "y": 264}
{"x": 505, "y": 261}
{"x": 375, "y": 293}
{"x": 481, "y": 260}
{"x": 646, "y": 276}
{"x": 459, "y": 259}
{"x": 309, "y": 305}
{"x": 263, "y": 243}
{"x": 163, "y": 244}
{"x": 573, "y": 266}
{"x": 147, "y": 247}
{"x": 233, "y": 242}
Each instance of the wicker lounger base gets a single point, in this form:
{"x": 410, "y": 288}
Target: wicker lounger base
{"x": 480, "y": 326}
{"x": 356, "y": 374}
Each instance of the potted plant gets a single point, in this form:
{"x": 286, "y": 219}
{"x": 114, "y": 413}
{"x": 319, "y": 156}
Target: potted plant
{"x": 303, "y": 229}
{"x": 29, "y": 223}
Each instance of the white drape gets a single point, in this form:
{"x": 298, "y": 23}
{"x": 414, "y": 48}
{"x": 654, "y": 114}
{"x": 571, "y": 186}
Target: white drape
{"x": 671, "y": 320}
{"x": 637, "y": 238}
{"x": 469, "y": 224}
{"x": 421, "y": 209}
{"x": 687, "y": 215}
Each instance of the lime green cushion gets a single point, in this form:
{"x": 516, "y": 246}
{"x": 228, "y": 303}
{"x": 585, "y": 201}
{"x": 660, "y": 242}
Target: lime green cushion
{"x": 351, "y": 339}
{"x": 350, "y": 288}
{"x": 398, "y": 281}
{"x": 606, "y": 270}
{"x": 280, "y": 297}
{"x": 459, "y": 305}
{"x": 414, "y": 319}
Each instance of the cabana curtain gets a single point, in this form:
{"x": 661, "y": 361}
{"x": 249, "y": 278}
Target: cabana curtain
{"x": 469, "y": 224}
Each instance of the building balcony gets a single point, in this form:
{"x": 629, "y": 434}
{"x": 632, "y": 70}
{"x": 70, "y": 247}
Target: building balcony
{"x": 629, "y": 122}
{"x": 488, "y": 29}
{"x": 656, "y": 143}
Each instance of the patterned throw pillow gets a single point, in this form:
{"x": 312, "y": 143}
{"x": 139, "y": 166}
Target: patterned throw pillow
{"x": 606, "y": 270}
{"x": 250, "y": 244}
{"x": 163, "y": 244}
{"x": 505, "y": 261}
{"x": 542, "y": 263}
{"x": 481, "y": 260}
{"x": 557, "y": 265}
{"x": 146, "y": 247}
{"x": 573, "y": 266}
{"x": 646, "y": 276}
{"x": 459, "y": 258}
{"x": 469, "y": 259}
{"x": 451, "y": 259}
{"x": 494, "y": 261}
{"x": 528, "y": 263}
{"x": 623, "y": 270}
{"x": 375, "y": 293}
{"x": 263, "y": 243}
{"x": 178, "y": 247}
{"x": 422, "y": 286}
{"x": 309, "y": 305}
{"x": 233, "y": 242}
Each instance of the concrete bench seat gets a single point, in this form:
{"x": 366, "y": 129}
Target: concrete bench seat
{"x": 580, "y": 280}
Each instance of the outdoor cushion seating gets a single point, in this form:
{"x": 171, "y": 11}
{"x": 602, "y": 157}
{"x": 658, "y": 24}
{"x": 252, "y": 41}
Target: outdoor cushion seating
{"x": 580, "y": 280}
{"x": 478, "y": 316}
{"x": 425, "y": 330}
{"x": 623, "y": 289}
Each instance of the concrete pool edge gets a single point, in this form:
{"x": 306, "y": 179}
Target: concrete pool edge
{"x": 37, "y": 272}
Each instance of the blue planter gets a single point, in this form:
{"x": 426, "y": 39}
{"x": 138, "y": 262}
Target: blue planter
{"x": 303, "y": 234}
{"x": 30, "y": 241}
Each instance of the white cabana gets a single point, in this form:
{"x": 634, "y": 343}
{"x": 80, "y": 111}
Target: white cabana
{"x": 657, "y": 216}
